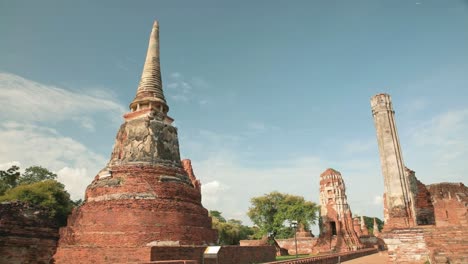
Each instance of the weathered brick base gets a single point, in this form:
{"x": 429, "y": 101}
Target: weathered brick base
{"x": 98, "y": 255}
{"x": 227, "y": 254}
{"x": 138, "y": 207}
{"x": 436, "y": 244}
{"x": 328, "y": 259}
{"x": 304, "y": 245}
{"x": 447, "y": 244}
{"x": 406, "y": 245}
{"x": 373, "y": 242}
{"x": 27, "y": 234}
{"x": 182, "y": 254}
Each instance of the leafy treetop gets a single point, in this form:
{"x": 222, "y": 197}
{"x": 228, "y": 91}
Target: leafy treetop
{"x": 37, "y": 186}
{"x": 273, "y": 212}
{"x": 230, "y": 232}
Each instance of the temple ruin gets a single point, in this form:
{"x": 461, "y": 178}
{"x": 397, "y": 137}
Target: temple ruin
{"x": 337, "y": 230}
{"x": 422, "y": 222}
{"x": 145, "y": 196}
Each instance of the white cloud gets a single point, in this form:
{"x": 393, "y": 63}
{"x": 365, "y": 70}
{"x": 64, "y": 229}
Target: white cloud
{"x": 228, "y": 185}
{"x": 211, "y": 192}
{"x": 176, "y": 75}
{"x": 378, "y": 199}
{"x": 86, "y": 123}
{"x": 29, "y": 135}
{"x": 29, "y": 101}
{"x": 75, "y": 180}
{"x": 257, "y": 126}
{"x": 7, "y": 165}
{"x": 360, "y": 146}
{"x": 221, "y": 158}
{"x": 75, "y": 164}
{"x": 441, "y": 142}
{"x": 180, "y": 88}
{"x": 415, "y": 105}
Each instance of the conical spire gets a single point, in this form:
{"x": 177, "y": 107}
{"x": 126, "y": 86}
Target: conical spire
{"x": 364, "y": 227}
{"x": 150, "y": 93}
{"x": 376, "y": 228}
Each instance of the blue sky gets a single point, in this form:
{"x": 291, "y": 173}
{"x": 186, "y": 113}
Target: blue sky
{"x": 266, "y": 94}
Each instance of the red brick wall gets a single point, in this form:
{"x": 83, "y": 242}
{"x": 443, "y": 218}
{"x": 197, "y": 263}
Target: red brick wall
{"x": 447, "y": 244}
{"x": 423, "y": 205}
{"x": 27, "y": 234}
{"x": 254, "y": 242}
{"x": 177, "y": 253}
{"x": 97, "y": 255}
{"x": 172, "y": 262}
{"x": 328, "y": 259}
{"x": 373, "y": 242}
{"x": 450, "y": 202}
{"x": 304, "y": 245}
{"x": 406, "y": 245}
{"x": 226, "y": 255}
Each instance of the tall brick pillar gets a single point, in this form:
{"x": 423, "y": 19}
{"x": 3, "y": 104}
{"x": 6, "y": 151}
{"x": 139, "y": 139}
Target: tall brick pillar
{"x": 398, "y": 210}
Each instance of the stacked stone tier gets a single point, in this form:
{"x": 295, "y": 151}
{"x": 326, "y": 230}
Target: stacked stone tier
{"x": 138, "y": 206}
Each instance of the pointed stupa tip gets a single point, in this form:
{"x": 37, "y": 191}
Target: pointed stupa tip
{"x": 150, "y": 93}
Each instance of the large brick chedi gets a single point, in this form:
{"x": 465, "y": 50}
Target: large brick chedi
{"x": 398, "y": 210}
{"x": 145, "y": 196}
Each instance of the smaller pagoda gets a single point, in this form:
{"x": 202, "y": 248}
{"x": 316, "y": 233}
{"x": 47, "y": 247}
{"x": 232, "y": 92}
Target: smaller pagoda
{"x": 337, "y": 226}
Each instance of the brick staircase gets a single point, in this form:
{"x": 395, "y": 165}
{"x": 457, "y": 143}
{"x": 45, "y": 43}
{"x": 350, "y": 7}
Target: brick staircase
{"x": 448, "y": 244}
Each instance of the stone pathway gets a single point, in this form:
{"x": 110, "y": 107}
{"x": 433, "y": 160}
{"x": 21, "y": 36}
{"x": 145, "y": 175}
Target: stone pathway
{"x": 377, "y": 258}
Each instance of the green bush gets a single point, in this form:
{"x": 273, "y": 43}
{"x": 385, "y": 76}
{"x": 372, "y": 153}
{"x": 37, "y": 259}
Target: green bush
{"x": 49, "y": 194}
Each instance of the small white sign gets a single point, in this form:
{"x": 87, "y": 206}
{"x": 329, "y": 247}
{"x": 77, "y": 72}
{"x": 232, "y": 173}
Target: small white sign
{"x": 212, "y": 250}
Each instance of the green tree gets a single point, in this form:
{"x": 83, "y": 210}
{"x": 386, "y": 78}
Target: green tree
{"x": 217, "y": 215}
{"x": 49, "y": 194}
{"x": 230, "y": 232}
{"x": 36, "y": 174}
{"x": 369, "y": 221}
{"x": 9, "y": 178}
{"x": 272, "y": 212}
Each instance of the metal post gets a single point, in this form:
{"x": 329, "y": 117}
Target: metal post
{"x": 294, "y": 225}
{"x": 295, "y": 239}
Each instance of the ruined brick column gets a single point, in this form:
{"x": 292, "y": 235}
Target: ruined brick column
{"x": 145, "y": 196}
{"x": 398, "y": 208}
{"x": 338, "y": 233}
{"x": 357, "y": 226}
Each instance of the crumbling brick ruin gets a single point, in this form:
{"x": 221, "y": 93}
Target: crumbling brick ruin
{"x": 337, "y": 233}
{"x": 28, "y": 234}
{"x": 145, "y": 196}
{"x": 422, "y": 223}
